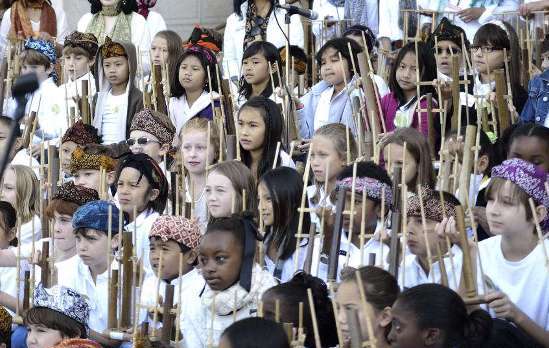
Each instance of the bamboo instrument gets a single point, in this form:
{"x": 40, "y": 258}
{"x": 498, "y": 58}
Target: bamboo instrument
{"x": 431, "y": 125}
{"x": 53, "y": 170}
{"x": 354, "y": 326}
{"x": 113, "y": 301}
{"x": 467, "y": 164}
{"x": 3, "y": 81}
{"x": 313, "y": 318}
{"x": 396, "y": 220}
{"x": 30, "y": 125}
{"x": 369, "y": 92}
{"x": 167, "y": 315}
{"x": 26, "y": 293}
{"x": 310, "y": 248}
{"x": 504, "y": 120}
{"x": 85, "y": 104}
{"x": 45, "y": 264}
{"x": 467, "y": 268}
{"x": 455, "y": 94}
{"x": 127, "y": 279}
{"x": 336, "y": 236}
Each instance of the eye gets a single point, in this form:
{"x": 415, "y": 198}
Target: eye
{"x": 220, "y": 259}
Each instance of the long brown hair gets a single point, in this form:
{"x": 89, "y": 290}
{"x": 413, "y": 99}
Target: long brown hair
{"x": 241, "y": 179}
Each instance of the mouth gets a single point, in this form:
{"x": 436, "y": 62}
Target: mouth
{"x": 212, "y": 282}
{"x": 193, "y": 163}
{"x": 123, "y": 200}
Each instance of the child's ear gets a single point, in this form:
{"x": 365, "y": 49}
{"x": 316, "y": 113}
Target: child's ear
{"x": 541, "y": 212}
{"x": 192, "y": 257}
{"x": 12, "y": 234}
{"x": 274, "y": 67}
{"x": 154, "y": 194}
{"x": 110, "y": 178}
{"x": 431, "y": 336}
{"x": 91, "y": 62}
{"x": 483, "y": 163}
{"x": 384, "y": 317}
{"x": 163, "y": 150}
{"x": 378, "y": 211}
{"x": 115, "y": 241}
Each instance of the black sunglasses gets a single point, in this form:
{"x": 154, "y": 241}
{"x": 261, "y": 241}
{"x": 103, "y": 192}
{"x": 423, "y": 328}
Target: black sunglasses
{"x": 140, "y": 141}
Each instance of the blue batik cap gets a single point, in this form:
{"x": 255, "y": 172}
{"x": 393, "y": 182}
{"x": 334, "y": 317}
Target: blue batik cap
{"x": 95, "y": 215}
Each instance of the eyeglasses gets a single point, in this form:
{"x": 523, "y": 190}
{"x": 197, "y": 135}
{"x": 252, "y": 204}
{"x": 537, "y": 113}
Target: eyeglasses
{"x": 140, "y": 141}
{"x": 485, "y": 49}
{"x": 440, "y": 51}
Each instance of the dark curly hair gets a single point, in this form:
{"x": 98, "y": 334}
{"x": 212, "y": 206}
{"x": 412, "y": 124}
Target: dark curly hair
{"x": 126, "y": 6}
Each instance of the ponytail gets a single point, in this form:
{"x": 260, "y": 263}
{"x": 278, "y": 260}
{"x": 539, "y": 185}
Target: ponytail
{"x": 477, "y": 329}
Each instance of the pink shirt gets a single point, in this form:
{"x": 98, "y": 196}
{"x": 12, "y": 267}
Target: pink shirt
{"x": 389, "y": 107}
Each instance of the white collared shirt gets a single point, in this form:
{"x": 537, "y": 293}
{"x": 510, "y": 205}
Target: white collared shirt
{"x": 288, "y": 265}
{"x": 141, "y": 229}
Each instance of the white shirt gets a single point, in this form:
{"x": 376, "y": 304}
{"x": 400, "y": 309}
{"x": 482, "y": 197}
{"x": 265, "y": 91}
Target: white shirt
{"x": 326, "y": 10}
{"x": 8, "y": 282}
{"x": 113, "y": 122}
{"x": 324, "y": 201}
{"x": 525, "y": 282}
{"x": 67, "y": 92}
{"x": 141, "y": 228}
{"x": 156, "y": 23}
{"x": 27, "y": 231}
{"x": 322, "y": 112}
{"x": 288, "y": 266}
{"x": 180, "y": 111}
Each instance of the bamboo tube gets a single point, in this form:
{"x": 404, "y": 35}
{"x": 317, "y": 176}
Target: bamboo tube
{"x": 167, "y": 316}
{"x": 127, "y": 279}
{"x": 538, "y": 231}
{"x": 467, "y": 268}
{"x": 424, "y": 226}
{"x": 363, "y": 224}
{"x": 395, "y": 221}
{"x": 367, "y": 310}
{"x": 504, "y": 120}
{"x": 336, "y": 236}
{"x": 467, "y": 164}
{"x": 157, "y": 292}
{"x": 313, "y": 318}
{"x": 352, "y": 212}
{"x": 113, "y": 300}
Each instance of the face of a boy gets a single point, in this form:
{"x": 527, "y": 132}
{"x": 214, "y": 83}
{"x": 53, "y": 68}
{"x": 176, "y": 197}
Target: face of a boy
{"x": 92, "y": 248}
{"x": 89, "y": 178}
{"x": 116, "y": 70}
{"x": 134, "y": 191}
{"x": 370, "y": 219}
{"x": 332, "y": 69}
{"x": 63, "y": 231}
{"x": 171, "y": 252}
{"x": 153, "y": 148}
{"x": 76, "y": 65}
{"x": 220, "y": 259}
{"x": 416, "y": 238}
{"x": 40, "y": 336}
{"x": 41, "y": 72}
{"x": 67, "y": 148}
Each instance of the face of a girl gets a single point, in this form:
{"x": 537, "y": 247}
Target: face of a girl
{"x": 444, "y": 52}
{"x": 134, "y": 191}
{"x": 40, "y": 336}
{"x": 63, "y": 232}
{"x": 194, "y": 150}
{"x": 348, "y": 297}
{"x": 170, "y": 258}
{"x": 89, "y": 178}
{"x": 394, "y": 155}
{"x": 219, "y": 195}
{"x": 487, "y": 58}
{"x": 42, "y": 73}
{"x": 192, "y": 75}
{"x": 67, "y": 148}
{"x": 220, "y": 259}
{"x": 251, "y": 129}
{"x": 406, "y": 75}
{"x": 9, "y": 187}
{"x": 256, "y": 69}
{"x": 265, "y": 204}
{"x": 531, "y": 149}
{"x": 404, "y": 330}
{"x": 505, "y": 214}
{"x": 333, "y": 70}
{"x": 325, "y": 158}
{"x": 159, "y": 50}
{"x": 416, "y": 238}
{"x": 153, "y": 148}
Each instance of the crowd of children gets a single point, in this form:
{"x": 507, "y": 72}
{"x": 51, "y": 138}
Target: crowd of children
{"x": 372, "y": 186}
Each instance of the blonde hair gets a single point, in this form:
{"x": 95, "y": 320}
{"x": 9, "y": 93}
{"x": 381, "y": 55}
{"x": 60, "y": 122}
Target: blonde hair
{"x": 241, "y": 179}
{"x": 27, "y": 188}
{"x": 201, "y": 124}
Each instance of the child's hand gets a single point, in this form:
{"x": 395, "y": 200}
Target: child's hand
{"x": 304, "y": 145}
{"x": 480, "y": 218}
{"x": 471, "y": 14}
{"x": 447, "y": 228}
{"x": 502, "y": 306}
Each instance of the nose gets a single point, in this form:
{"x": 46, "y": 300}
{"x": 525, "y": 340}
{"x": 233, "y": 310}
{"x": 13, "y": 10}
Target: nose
{"x": 208, "y": 267}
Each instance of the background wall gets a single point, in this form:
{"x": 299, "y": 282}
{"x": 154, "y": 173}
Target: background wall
{"x": 180, "y": 15}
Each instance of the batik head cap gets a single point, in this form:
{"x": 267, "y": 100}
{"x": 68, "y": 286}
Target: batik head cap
{"x": 182, "y": 230}
{"x": 63, "y": 300}
{"x": 82, "y": 160}
{"x": 5, "y": 323}
{"x": 45, "y": 47}
{"x": 111, "y": 49}
{"x": 155, "y": 123}
{"x": 204, "y": 39}
{"x": 76, "y": 194}
{"x": 432, "y": 206}
{"x": 95, "y": 215}
{"x": 446, "y": 31}
{"x": 81, "y": 134}
{"x": 77, "y": 343}
{"x": 373, "y": 187}
{"x": 86, "y": 41}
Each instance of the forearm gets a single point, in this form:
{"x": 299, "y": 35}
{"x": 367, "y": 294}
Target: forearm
{"x": 8, "y": 301}
{"x": 7, "y": 258}
{"x": 532, "y": 329}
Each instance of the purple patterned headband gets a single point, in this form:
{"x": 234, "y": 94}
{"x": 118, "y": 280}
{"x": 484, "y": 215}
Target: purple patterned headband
{"x": 204, "y": 52}
{"x": 373, "y": 188}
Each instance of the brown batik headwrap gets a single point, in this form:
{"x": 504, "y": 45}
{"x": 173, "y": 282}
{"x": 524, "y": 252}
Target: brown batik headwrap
{"x": 432, "y": 206}
{"x": 76, "y": 194}
{"x": 111, "y": 49}
{"x": 87, "y": 41}
{"x": 155, "y": 123}
{"x": 82, "y": 160}
{"x": 5, "y": 323}
{"x": 81, "y": 134}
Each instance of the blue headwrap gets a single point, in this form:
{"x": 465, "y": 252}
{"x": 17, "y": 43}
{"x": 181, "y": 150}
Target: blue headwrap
{"x": 47, "y": 48}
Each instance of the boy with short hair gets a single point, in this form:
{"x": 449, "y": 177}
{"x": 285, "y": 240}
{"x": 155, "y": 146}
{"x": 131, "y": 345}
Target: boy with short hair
{"x": 78, "y": 135}
{"x": 151, "y": 132}
{"x": 118, "y": 100}
{"x": 86, "y": 164}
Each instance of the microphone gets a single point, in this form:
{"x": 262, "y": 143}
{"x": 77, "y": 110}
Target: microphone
{"x": 25, "y": 84}
{"x": 291, "y": 9}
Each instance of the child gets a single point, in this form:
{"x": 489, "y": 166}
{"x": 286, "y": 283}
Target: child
{"x": 151, "y": 133}
{"x": 251, "y": 333}
{"x": 174, "y": 239}
{"x": 91, "y": 226}
{"x": 57, "y": 313}
{"x": 79, "y": 134}
{"x": 279, "y": 194}
{"x": 142, "y": 191}
{"x": 197, "y": 153}
{"x": 329, "y": 155}
{"x": 155, "y": 21}
{"x": 431, "y": 315}
{"x": 18, "y": 154}
{"x": 234, "y": 282}
{"x": 417, "y": 159}
{"x": 535, "y": 109}
{"x": 260, "y": 62}
{"x": 329, "y": 101}
{"x": 86, "y": 165}
{"x": 260, "y": 127}
{"x": 422, "y": 241}
{"x": 20, "y": 188}
{"x": 487, "y": 56}
{"x": 118, "y": 100}
{"x": 8, "y": 275}
{"x": 530, "y": 142}
{"x": 79, "y": 53}
{"x": 227, "y": 184}
{"x": 400, "y": 106}
{"x": 374, "y": 181}
{"x": 166, "y": 46}
{"x": 381, "y": 291}
{"x": 5, "y": 328}
{"x": 298, "y": 67}
{"x": 289, "y": 295}
{"x": 190, "y": 86}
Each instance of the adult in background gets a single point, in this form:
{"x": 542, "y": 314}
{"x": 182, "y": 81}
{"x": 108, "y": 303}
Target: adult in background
{"x": 155, "y": 21}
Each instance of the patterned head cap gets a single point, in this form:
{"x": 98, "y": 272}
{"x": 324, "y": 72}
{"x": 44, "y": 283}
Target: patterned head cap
{"x": 87, "y": 41}
{"x": 177, "y": 228}
{"x": 82, "y": 134}
{"x": 82, "y": 160}
{"x": 373, "y": 187}
{"x": 5, "y": 324}
{"x": 76, "y": 194}
{"x": 95, "y": 215}
{"x": 433, "y": 208}
{"x": 63, "y": 300}
{"x": 77, "y": 343}
{"x": 47, "y": 48}
{"x": 111, "y": 49}
{"x": 155, "y": 123}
